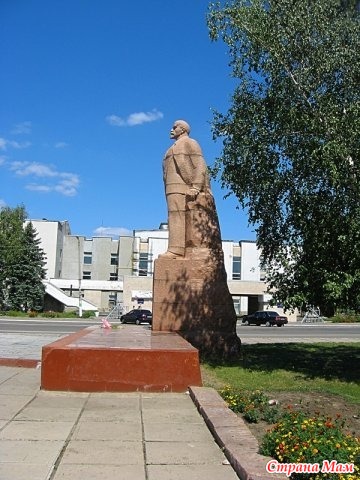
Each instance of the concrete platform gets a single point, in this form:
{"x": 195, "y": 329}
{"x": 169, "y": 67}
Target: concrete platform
{"x": 126, "y": 359}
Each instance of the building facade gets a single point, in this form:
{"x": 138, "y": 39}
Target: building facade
{"x": 110, "y": 272}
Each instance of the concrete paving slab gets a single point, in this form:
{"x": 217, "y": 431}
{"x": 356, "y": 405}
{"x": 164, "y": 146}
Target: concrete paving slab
{"x": 24, "y": 471}
{"x": 183, "y": 453}
{"x": 116, "y": 401}
{"x": 100, "y": 472}
{"x": 110, "y": 415}
{"x": 176, "y": 432}
{"x": 3, "y": 422}
{"x": 99, "y": 452}
{"x": 53, "y": 395}
{"x": 37, "y": 413}
{"x": 115, "y": 395}
{"x": 43, "y": 452}
{"x": 191, "y": 472}
{"x": 66, "y": 400}
{"x": 162, "y": 415}
{"x": 7, "y": 372}
{"x": 18, "y": 388}
{"x": 108, "y": 431}
{"x": 11, "y": 404}
{"x": 28, "y": 376}
{"x": 167, "y": 400}
{"x": 15, "y": 381}
{"x": 36, "y": 430}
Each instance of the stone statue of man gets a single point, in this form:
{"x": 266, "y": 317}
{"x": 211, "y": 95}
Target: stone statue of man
{"x": 190, "y": 291}
{"x": 187, "y": 188}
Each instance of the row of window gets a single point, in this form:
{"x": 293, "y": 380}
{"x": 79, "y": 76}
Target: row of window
{"x": 114, "y": 260}
{"x": 87, "y": 276}
{"x": 144, "y": 266}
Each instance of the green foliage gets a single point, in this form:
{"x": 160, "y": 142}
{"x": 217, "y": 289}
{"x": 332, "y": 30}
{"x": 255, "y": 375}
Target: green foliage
{"x": 52, "y": 314}
{"x": 254, "y": 406}
{"x": 13, "y": 313}
{"x": 21, "y": 262}
{"x": 290, "y": 141}
{"x": 345, "y": 318}
{"x": 323, "y": 367}
{"x": 297, "y": 438}
{"x": 88, "y": 314}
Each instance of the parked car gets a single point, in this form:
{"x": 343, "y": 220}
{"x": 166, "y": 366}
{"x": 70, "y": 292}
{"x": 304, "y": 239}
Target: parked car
{"x": 137, "y": 316}
{"x": 265, "y": 317}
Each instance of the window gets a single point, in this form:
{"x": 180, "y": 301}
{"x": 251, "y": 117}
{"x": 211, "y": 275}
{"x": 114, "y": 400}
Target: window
{"x": 237, "y": 304}
{"x": 88, "y": 258}
{"x": 143, "y": 264}
{"x": 86, "y": 275}
{"x": 113, "y": 276}
{"x": 114, "y": 259}
{"x": 236, "y": 268}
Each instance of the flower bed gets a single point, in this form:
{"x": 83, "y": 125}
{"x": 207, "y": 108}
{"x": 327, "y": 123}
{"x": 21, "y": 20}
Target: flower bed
{"x": 298, "y": 438}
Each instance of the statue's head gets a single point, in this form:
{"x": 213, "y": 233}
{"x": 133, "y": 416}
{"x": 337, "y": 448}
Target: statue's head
{"x": 179, "y": 128}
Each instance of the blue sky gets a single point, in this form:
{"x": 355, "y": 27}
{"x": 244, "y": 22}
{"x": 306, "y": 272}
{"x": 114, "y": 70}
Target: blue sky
{"x": 89, "y": 92}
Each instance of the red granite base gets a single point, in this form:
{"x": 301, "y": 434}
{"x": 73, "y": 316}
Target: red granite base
{"x": 127, "y": 359}
{"x": 19, "y": 362}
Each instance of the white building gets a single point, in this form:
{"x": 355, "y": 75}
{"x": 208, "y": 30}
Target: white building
{"x": 108, "y": 272}
{"x": 52, "y": 235}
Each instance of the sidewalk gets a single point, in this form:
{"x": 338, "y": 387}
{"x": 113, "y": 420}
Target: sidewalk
{"x": 77, "y": 436}
{"x": 47, "y": 435}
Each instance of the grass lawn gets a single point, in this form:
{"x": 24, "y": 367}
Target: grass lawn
{"x": 331, "y": 368}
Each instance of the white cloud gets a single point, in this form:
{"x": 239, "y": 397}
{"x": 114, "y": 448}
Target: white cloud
{"x": 38, "y": 188}
{"x": 115, "y": 121}
{"x": 24, "y": 169}
{"x": 20, "y": 128}
{"x": 134, "y": 119}
{"x": 2, "y": 159}
{"x": 112, "y": 232}
{"x": 66, "y": 183}
{"x": 2, "y": 204}
{"x": 4, "y": 144}
{"x": 61, "y": 145}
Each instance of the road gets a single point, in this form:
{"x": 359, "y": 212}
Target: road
{"x": 249, "y": 334}
{"x": 45, "y": 325}
{"x": 307, "y": 333}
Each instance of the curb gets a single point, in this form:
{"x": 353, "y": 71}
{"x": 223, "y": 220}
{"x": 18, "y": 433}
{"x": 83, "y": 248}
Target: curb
{"x": 19, "y": 362}
{"x": 232, "y": 435}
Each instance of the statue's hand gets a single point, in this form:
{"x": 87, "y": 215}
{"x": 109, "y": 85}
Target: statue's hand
{"x": 193, "y": 193}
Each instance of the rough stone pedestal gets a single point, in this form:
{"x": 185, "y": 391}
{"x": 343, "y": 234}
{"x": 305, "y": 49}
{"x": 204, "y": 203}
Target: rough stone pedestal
{"x": 191, "y": 297}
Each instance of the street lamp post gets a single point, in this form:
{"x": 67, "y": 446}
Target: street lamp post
{"x": 80, "y": 296}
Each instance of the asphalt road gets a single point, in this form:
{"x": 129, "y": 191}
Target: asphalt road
{"x": 249, "y": 334}
{"x": 326, "y": 332}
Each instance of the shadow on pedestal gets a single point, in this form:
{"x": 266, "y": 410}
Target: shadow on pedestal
{"x": 191, "y": 297}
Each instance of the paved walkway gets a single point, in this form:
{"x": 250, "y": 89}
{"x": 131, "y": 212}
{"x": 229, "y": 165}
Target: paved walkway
{"x": 77, "y": 436}
{"x": 24, "y": 345}
{"x": 46, "y": 435}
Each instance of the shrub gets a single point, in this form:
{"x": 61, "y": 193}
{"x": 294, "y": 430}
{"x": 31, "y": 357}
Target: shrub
{"x": 345, "y": 318}
{"x": 297, "y": 438}
{"x": 88, "y": 314}
{"x": 14, "y": 313}
{"x": 254, "y": 405}
{"x": 49, "y": 314}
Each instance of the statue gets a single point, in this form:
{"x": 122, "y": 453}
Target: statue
{"x": 187, "y": 189}
{"x": 190, "y": 292}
